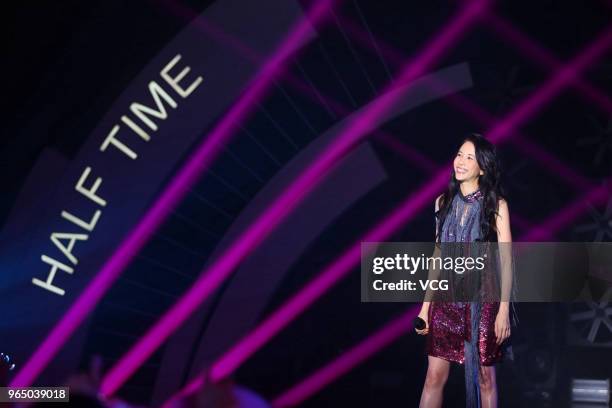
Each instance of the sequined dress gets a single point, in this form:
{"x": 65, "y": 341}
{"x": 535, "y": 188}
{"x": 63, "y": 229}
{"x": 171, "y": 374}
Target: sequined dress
{"x": 450, "y": 324}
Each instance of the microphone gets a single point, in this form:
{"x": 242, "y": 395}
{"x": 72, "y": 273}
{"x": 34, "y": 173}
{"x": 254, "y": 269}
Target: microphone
{"x": 419, "y": 323}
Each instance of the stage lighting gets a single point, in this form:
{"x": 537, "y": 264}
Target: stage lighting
{"x": 591, "y": 391}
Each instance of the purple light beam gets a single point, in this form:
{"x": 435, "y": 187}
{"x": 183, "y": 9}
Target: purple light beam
{"x": 568, "y": 213}
{"x": 383, "y": 337}
{"x": 347, "y": 361}
{"x": 212, "y": 277}
{"x": 406, "y": 211}
{"x": 549, "y": 161}
{"x": 169, "y": 198}
{"x": 538, "y": 53}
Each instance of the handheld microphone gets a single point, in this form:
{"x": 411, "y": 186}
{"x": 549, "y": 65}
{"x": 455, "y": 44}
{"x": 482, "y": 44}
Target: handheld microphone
{"x": 419, "y": 323}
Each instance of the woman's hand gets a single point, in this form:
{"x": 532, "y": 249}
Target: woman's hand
{"x": 502, "y": 326}
{"x": 424, "y": 315}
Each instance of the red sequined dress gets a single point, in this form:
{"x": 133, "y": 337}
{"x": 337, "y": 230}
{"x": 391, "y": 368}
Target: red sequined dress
{"x": 450, "y": 327}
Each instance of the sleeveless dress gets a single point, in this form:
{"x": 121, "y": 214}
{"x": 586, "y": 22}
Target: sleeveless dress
{"x": 450, "y": 323}
{"x": 464, "y": 332}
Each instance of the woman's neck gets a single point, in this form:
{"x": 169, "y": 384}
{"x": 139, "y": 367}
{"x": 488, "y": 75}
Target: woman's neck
{"x": 468, "y": 187}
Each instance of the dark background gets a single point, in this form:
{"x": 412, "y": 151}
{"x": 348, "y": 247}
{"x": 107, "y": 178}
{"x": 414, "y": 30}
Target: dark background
{"x": 66, "y": 62}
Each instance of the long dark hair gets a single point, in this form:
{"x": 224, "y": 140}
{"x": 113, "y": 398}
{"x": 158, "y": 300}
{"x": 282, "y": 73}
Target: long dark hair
{"x": 489, "y": 184}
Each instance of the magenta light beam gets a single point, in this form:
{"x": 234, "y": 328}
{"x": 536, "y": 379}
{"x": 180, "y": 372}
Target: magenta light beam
{"x": 325, "y": 280}
{"x": 407, "y": 210}
{"x": 391, "y": 141}
{"x": 536, "y": 52}
{"x": 385, "y": 336}
{"x": 569, "y": 213}
{"x": 564, "y": 76}
{"x": 347, "y": 361}
{"x": 169, "y": 198}
{"x": 381, "y": 339}
{"x": 212, "y": 277}
{"x": 549, "y": 161}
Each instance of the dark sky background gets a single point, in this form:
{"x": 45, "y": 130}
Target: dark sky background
{"x": 65, "y": 62}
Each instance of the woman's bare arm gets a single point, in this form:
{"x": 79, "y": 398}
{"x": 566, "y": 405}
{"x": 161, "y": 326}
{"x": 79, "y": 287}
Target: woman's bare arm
{"x": 432, "y": 274}
{"x": 504, "y": 239}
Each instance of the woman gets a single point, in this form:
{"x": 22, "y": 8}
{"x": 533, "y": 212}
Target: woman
{"x": 472, "y": 209}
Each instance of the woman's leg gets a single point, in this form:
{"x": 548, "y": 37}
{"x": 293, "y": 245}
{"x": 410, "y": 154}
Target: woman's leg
{"x": 437, "y": 373}
{"x": 488, "y": 386}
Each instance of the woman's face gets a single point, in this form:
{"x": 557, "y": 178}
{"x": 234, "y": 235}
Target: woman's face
{"x": 465, "y": 164}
